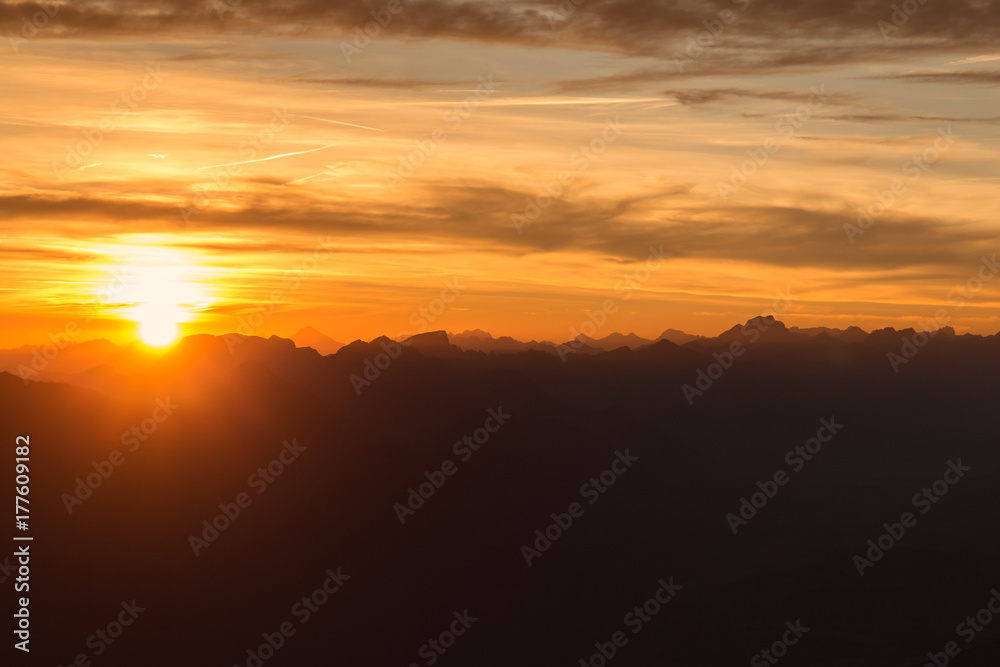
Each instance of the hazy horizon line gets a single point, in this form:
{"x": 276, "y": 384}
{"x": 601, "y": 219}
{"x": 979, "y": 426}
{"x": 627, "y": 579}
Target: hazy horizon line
{"x": 60, "y": 339}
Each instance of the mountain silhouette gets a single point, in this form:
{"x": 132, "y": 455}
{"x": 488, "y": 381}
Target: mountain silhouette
{"x": 379, "y": 420}
{"x": 310, "y": 337}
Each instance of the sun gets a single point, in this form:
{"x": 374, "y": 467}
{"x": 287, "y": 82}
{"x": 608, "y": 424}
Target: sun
{"x": 160, "y": 295}
{"x": 158, "y": 332}
{"x": 158, "y": 322}
{"x": 157, "y": 325}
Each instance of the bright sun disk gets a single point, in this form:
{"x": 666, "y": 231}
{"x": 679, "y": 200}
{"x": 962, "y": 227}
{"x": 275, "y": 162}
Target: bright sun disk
{"x": 158, "y": 323}
{"x": 157, "y": 288}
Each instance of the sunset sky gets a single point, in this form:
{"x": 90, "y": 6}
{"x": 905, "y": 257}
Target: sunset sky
{"x": 199, "y": 162}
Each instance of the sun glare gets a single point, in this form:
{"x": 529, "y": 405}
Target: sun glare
{"x": 158, "y": 323}
{"x": 161, "y": 294}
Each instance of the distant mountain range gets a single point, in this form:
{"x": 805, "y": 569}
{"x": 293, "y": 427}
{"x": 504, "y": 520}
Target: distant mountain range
{"x": 309, "y": 337}
{"x": 545, "y": 489}
{"x": 771, "y": 331}
{"x": 92, "y": 361}
{"x": 481, "y": 341}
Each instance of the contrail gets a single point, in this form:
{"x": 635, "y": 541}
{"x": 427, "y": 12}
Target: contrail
{"x": 306, "y": 178}
{"x": 338, "y": 122}
{"x": 977, "y": 59}
{"x": 273, "y": 157}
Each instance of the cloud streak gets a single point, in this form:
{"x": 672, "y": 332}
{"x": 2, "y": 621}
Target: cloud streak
{"x": 271, "y": 157}
{"x": 778, "y": 33}
{"x": 782, "y": 236}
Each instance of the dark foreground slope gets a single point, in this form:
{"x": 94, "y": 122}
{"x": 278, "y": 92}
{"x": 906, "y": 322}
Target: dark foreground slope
{"x": 209, "y": 415}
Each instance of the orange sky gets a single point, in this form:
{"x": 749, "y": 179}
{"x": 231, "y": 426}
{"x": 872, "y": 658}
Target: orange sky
{"x": 161, "y": 159}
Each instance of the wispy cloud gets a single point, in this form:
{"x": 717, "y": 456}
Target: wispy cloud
{"x": 977, "y": 59}
{"x": 987, "y": 77}
{"x": 337, "y": 122}
{"x": 272, "y": 157}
